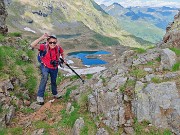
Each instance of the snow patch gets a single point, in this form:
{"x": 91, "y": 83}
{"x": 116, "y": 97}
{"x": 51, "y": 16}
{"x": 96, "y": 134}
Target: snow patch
{"x": 29, "y": 29}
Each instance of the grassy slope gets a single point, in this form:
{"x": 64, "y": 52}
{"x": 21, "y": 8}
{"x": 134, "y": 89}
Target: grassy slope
{"x": 77, "y": 10}
{"x": 143, "y": 30}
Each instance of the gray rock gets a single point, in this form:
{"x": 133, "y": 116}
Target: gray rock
{"x": 10, "y": 114}
{"x": 9, "y": 86}
{"x": 35, "y": 106}
{"x": 158, "y": 103}
{"x": 92, "y": 104}
{"x": 102, "y": 131}
{"x": 121, "y": 116}
{"x": 78, "y": 125}
{"x": 68, "y": 107}
{"x": 38, "y": 132}
{"x": 149, "y": 70}
{"x": 171, "y": 75}
{"x": 116, "y": 82}
{"x": 110, "y": 106}
{"x": 129, "y": 130}
{"x": 168, "y": 58}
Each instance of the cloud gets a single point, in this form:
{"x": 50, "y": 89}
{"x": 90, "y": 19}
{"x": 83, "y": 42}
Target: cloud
{"x": 152, "y": 3}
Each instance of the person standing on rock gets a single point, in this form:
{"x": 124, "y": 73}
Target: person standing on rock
{"x": 49, "y": 64}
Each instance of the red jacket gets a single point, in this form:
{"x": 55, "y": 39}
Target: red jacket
{"x": 54, "y": 55}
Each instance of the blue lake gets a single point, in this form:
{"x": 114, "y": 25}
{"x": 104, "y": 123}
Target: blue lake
{"x": 89, "y": 61}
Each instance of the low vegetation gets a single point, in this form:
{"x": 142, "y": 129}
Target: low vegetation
{"x": 106, "y": 41}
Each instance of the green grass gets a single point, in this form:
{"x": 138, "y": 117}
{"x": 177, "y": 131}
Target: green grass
{"x": 176, "y": 66}
{"x": 122, "y": 88}
{"x": 140, "y": 126}
{"x": 150, "y": 63}
{"x": 60, "y": 78}
{"x": 140, "y": 50}
{"x": 89, "y": 76}
{"x": 158, "y": 59}
{"x": 176, "y": 50}
{"x": 3, "y": 131}
{"x": 27, "y": 110}
{"x": 156, "y": 80}
{"x": 106, "y": 41}
{"x": 74, "y": 77}
{"x": 15, "y": 34}
{"x": 138, "y": 73}
{"x": 16, "y": 131}
{"x": 69, "y": 119}
{"x": 89, "y": 125}
{"x": 41, "y": 124}
{"x": 68, "y": 92}
{"x": 1, "y": 109}
{"x": 2, "y": 38}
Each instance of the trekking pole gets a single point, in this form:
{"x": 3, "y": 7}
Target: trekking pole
{"x": 72, "y": 70}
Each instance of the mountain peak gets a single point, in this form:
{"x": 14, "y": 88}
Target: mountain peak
{"x": 117, "y": 4}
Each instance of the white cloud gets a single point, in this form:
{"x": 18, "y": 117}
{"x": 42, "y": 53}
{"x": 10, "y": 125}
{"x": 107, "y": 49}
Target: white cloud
{"x": 152, "y": 3}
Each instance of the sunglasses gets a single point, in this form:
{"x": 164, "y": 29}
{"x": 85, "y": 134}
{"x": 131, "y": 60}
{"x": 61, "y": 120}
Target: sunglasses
{"x": 52, "y": 43}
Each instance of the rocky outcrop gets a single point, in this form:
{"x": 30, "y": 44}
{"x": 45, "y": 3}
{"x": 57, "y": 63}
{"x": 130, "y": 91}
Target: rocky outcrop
{"x": 78, "y": 125}
{"x": 120, "y": 94}
{"x": 3, "y": 16}
{"x": 172, "y": 36}
{"x": 157, "y": 103}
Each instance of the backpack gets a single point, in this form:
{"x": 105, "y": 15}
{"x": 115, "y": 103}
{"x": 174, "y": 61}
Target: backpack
{"x": 42, "y": 53}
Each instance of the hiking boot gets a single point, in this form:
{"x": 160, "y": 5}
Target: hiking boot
{"x": 40, "y": 100}
{"x": 57, "y": 96}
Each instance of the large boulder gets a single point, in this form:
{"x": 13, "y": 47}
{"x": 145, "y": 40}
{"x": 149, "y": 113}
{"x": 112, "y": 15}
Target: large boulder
{"x": 158, "y": 104}
{"x": 3, "y": 15}
{"x": 168, "y": 59}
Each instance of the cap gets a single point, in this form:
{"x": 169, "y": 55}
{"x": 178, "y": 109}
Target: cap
{"x": 52, "y": 36}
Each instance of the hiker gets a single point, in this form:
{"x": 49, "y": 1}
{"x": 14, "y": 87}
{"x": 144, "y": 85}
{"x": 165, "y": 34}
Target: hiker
{"x": 49, "y": 64}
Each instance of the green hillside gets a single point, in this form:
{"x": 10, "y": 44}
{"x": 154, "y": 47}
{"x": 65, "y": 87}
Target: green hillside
{"x": 51, "y": 16}
{"x": 142, "y": 29}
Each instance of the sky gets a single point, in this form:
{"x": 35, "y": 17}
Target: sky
{"x": 152, "y": 3}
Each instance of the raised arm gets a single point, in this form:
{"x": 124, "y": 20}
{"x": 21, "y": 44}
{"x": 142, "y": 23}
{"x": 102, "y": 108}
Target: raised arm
{"x": 35, "y": 44}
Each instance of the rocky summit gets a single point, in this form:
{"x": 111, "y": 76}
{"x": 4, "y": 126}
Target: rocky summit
{"x": 136, "y": 94}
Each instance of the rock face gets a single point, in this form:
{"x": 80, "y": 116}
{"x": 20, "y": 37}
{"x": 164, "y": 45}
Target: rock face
{"x": 116, "y": 100}
{"x": 159, "y": 104}
{"x": 168, "y": 59}
{"x": 78, "y": 125}
{"x": 3, "y": 15}
{"x": 172, "y": 36}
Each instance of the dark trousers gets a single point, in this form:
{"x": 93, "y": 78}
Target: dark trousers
{"x": 53, "y": 74}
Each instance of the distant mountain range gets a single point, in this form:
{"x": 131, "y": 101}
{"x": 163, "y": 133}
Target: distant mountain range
{"x": 148, "y": 23}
